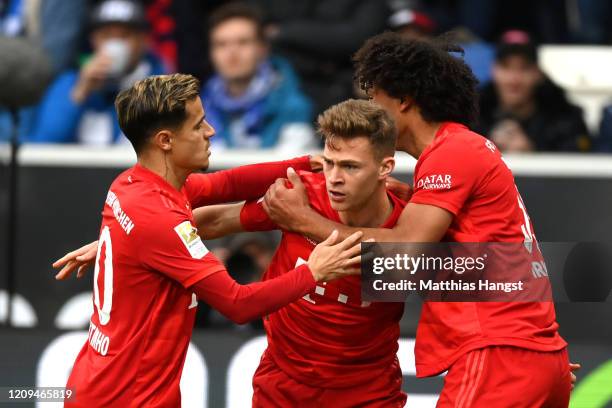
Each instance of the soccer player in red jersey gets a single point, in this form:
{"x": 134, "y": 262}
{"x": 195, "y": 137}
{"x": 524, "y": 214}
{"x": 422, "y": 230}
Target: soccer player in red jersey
{"x": 151, "y": 265}
{"x": 330, "y": 348}
{"x": 496, "y": 353}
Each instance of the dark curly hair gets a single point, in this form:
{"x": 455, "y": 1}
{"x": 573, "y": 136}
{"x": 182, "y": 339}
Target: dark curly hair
{"x": 441, "y": 84}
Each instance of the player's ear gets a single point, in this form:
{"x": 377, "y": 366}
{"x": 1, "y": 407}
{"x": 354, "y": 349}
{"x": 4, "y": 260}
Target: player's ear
{"x": 405, "y": 104}
{"x": 386, "y": 166}
{"x": 163, "y": 140}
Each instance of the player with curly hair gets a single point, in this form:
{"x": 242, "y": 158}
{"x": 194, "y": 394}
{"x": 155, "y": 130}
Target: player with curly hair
{"x": 496, "y": 353}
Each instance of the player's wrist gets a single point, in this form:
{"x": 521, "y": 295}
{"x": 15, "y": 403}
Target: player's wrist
{"x": 309, "y": 275}
{"x": 247, "y": 213}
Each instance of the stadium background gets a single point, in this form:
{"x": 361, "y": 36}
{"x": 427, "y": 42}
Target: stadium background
{"x": 61, "y": 187}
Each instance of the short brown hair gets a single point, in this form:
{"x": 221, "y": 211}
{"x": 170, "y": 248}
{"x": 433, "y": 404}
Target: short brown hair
{"x": 234, "y": 10}
{"x": 359, "y": 118}
{"x": 154, "y": 103}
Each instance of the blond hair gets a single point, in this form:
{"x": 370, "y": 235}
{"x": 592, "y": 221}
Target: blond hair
{"x": 359, "y": 118}
{"x": 154, "y": 103}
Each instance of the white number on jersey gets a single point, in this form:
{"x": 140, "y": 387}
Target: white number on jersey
{"x": 320, "y": 290}
{"x": 526, "y": 226}
{"x": 104, "y": 310}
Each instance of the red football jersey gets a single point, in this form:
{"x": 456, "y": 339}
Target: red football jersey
{"x": 329, "y": 338}
{"x": 149, "y": 254}
{"x": 465, "y": 174}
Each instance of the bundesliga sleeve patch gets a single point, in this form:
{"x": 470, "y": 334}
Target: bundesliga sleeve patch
{"x": 189, "y": 235}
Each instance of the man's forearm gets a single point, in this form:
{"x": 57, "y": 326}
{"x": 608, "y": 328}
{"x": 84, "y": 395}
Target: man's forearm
{"x": 417, "y": 223}
{"x": 216, "y": 221}
{"x": 243, "y": 303}
{"x": 317, "y": 227}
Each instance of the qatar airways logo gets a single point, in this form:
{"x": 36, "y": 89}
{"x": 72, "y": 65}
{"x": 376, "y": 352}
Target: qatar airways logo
{"x": 435, "y": 182}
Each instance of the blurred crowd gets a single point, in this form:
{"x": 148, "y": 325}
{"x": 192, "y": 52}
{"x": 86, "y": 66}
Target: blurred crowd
{"x": 268, "y": 67}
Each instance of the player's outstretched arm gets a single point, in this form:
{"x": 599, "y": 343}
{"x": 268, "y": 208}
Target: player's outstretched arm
{"x": 79, "y": 260}
{"x": 242, "y": 303}
{"x": 289, "y": 208}
{"x": 216, "y": 221}
{"x": 241, "y": 183}
{"x": 213, "y": 221}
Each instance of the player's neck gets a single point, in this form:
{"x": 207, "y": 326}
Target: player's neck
{"x": 423, "y": 134}
{"x": 374, "y": 214}
{"x": 173, "y": 176}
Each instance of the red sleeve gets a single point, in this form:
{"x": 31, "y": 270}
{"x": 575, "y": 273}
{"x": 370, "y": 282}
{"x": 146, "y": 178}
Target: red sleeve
{"x": 242, "y": 183}
{"x": 253, "y": 217}
{"x": 243, "y": 303}
{"x": 173, "y": 248}
{"x": 444, "y": 180}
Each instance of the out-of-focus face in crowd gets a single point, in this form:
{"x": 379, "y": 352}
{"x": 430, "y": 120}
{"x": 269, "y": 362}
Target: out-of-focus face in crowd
{"x": 133, "y": 39}
{"x": 237, "y": 49}
{"x": 516, "y": 79}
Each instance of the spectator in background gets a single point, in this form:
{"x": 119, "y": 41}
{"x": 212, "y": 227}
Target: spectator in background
{"x": 254, "y": 100}
{"x": 417, "y": 24}
{"x": 79, "y": 106}
{"x": 409, "y": 22}
{"x": 489, "y": 19}
{"x": 522, "y": 109}
{"x": 319, "y": 37}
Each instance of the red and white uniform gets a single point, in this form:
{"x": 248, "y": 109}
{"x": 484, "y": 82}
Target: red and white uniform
{"x": 149, "y": 256}
{"x": 328, "y": 348}
{"x": 143, "y": 313}
{"x": 464, "y": 173}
